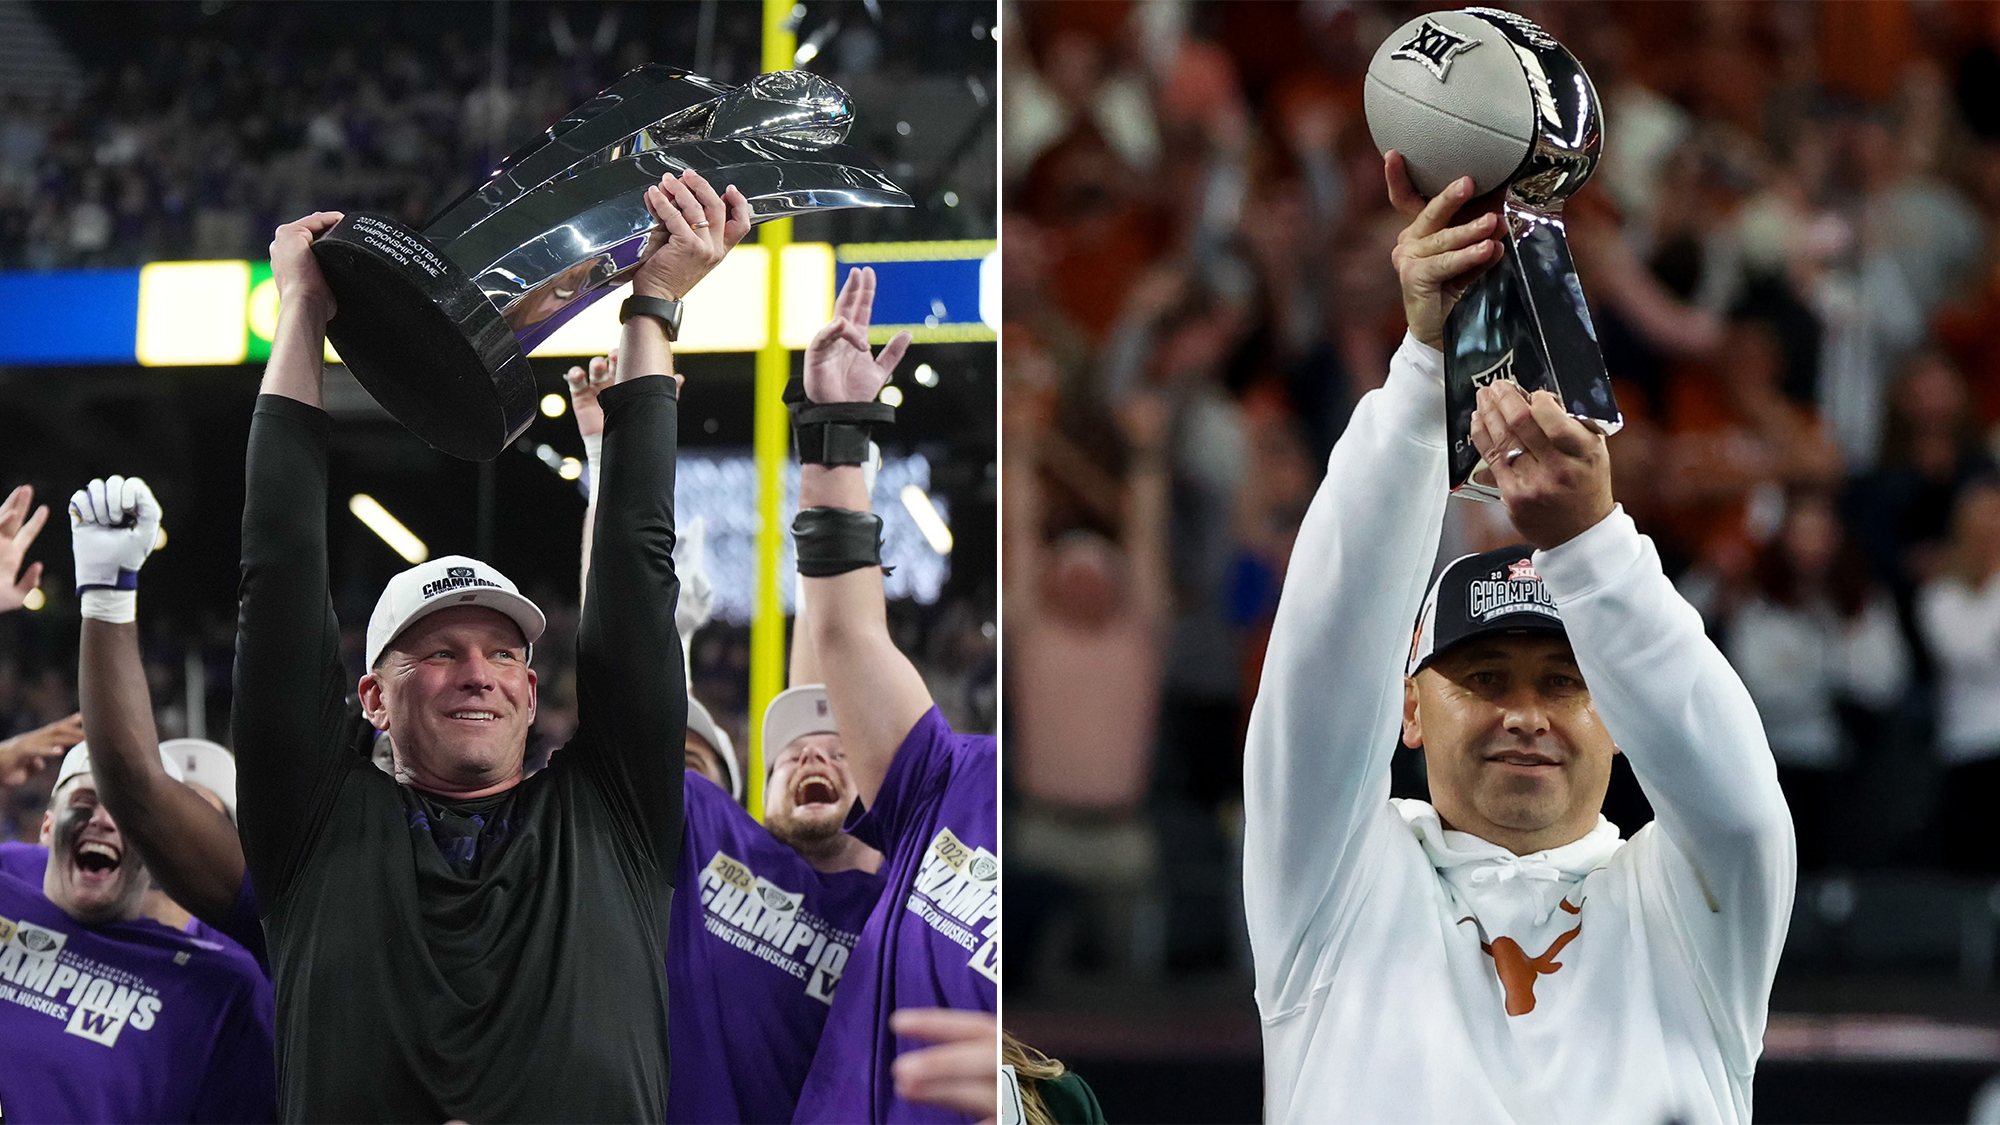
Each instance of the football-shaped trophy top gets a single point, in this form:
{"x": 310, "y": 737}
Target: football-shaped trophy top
{"x": 1487, "y": 94}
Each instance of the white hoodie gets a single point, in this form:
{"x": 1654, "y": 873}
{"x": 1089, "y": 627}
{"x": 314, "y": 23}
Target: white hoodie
{"x": 1639, "y": 972}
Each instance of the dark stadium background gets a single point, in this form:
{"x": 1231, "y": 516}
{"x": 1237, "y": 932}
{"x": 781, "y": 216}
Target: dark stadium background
{"x": 224, "y": 100}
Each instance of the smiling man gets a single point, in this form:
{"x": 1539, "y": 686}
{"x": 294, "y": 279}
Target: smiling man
{"x": 460, "y": 940}
{"x": 1499, "y": 954}
{"x": 108, "y": 1015}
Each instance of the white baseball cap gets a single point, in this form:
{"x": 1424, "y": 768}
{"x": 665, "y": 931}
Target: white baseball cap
{"x": 207, "y": 764}
{"x": 703, "y": 724}
{"x": 793, "y": 714}
{"x": 453, "y": 580}
{"x": 77, "y": 761}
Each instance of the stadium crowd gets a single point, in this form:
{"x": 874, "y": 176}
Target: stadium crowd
{"x": 1792, "y": 252}
{"x": 202, "y": 128}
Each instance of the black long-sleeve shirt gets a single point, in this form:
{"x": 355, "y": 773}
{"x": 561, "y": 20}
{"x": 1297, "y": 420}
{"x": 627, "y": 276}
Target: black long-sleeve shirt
{"x": 530, "y": 982}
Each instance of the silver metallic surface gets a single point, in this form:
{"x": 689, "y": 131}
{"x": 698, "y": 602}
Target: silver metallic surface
{"x": 563, "y": 221}
{"x": 1569, "y": 125}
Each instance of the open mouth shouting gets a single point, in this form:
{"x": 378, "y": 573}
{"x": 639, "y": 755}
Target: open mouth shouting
{"x": 97, "y": 862}
{"x": 814, "y": 789}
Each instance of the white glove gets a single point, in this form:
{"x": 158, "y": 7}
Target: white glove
{"x": 697, "y": 602}
{"x": 114, "y": 524}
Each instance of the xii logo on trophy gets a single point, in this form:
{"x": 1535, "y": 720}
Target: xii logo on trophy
{"x": 1435, "y": 47}
{"x": 1501, "y": 372}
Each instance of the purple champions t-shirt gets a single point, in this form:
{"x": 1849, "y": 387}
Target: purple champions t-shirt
{"x": 758, "y": 941}
{"x": 130, "y": 1021}
{"x": 26, "y": 862}
{"x": 933, "y": 941}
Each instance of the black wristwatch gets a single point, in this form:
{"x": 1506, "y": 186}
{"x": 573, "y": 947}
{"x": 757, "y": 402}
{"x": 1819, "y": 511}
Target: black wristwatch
{"x": 668, "y": 313}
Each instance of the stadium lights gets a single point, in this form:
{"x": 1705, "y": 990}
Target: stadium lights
{"x": 553, "y": 405}
{"x": 377, "y": 518}
{"x": 891, "y": 395}
{"x": 35, "y": 600}
{"x": 926, "y": 375}
{"x": 928, "y": 521}
{"x": 570, "y": 469}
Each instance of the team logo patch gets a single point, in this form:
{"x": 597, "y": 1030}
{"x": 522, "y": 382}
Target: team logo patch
{"x": 1488, "y": 598}
{"x": 458, "y": 572}
{"x": 1435, "y": 46}
{"x": 36, "y": 941}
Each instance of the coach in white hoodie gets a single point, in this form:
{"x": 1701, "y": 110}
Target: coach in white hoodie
{"x": 1501, "y": 955}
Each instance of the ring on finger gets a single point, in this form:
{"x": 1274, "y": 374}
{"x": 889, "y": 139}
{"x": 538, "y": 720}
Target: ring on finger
{"x": 1513, "y": 455}
{"x": 700, "y": 224}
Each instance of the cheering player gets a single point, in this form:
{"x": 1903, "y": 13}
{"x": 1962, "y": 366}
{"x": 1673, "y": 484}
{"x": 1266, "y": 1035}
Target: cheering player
{"x": 456, "y": 941}
{"x": 931, "y": 795}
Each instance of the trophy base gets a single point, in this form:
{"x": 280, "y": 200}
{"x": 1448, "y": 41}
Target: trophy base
{"x": 423, "y": 339}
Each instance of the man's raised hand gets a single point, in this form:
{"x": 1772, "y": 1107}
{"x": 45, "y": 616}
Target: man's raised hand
{"x": 1436, "y": 262}
{"x": 24, "y": 755}
{"x": 1554, "y": 472}
{"x": 839, "y": 366}
{"x": 584, "y": 382}
{"x": 696, "y": 227}
{"x": 301, "y": 285}
{"x": 114, "y": 523}
{"x": 17, "y": 533}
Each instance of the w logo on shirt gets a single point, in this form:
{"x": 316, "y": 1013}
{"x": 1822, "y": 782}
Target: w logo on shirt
{"x": 99, "y": 1027}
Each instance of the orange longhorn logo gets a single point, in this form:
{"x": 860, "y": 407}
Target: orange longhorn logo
{"x": 1517, "y": 970}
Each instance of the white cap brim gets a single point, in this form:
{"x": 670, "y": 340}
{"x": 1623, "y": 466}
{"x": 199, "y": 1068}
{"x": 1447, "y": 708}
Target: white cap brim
{"x": 455, "y": 581}
{"x": 793, "y": 714}
{"x": 703, "y": 724}
{"x": 77, "y": 762}
{"x": 207, "y": 764}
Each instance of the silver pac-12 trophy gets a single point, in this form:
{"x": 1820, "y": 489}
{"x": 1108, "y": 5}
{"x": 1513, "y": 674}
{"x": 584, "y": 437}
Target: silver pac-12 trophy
{"x": 437, "y": 324}
{"x": 1525, "y": 318}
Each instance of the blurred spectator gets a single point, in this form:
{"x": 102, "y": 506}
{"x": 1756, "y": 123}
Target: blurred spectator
{"x": 1930, "y": 449}
{"x": 1819, "y": 648}
{"x": 202, "y": 127}
{"x": 1960, "y": 613}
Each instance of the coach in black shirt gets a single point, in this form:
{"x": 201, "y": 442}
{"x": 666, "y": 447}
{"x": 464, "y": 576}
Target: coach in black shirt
{"x": 460, "y": 941}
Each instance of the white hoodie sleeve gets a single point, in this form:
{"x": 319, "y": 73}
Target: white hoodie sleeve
{"x": 1722, "y": 860}
{"x": 1330, "y": 703}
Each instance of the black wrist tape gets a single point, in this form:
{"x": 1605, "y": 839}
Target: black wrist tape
{"x": 834, "y": 541}
{"x": 837, "y": 433}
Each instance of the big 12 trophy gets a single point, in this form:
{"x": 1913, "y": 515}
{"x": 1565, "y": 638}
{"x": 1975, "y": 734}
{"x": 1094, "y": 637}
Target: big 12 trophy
{"x": 437, "y": 324}
{"x": 1525, "y": 319}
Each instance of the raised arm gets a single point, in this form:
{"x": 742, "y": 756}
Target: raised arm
{"x": 290, "y": 688}
{"x": 631, "y": 698}
{"x": 877, "y": 694}
{"x": 1670, "y": 700}
{"x": 1329, "y": 705}
{"x": 190, "y": 848}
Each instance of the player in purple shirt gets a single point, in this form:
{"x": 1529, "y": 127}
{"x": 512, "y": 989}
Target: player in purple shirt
{"x": 188, "y": 833}
{"x": 933, "y": 941}
{"x": 107, "y": 1015}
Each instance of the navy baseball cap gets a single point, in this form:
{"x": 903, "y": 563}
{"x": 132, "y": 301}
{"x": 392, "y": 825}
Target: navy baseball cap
{"x": 1496, "y": 593}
